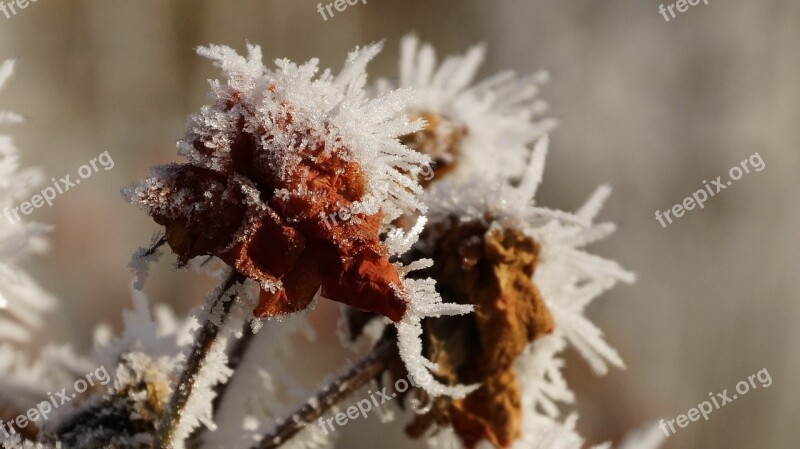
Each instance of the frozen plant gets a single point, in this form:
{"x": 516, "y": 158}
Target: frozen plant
{"x": 21, "y": 300}
{"x": 461, "y": 283}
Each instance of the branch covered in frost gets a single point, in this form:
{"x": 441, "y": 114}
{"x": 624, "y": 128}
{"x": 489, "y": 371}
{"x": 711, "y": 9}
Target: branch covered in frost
{"x": 369, "y": 368}
{"x": 206, "y": 348}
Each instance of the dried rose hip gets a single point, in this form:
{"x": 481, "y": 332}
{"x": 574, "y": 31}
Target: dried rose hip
{"x": 279, "y": 169}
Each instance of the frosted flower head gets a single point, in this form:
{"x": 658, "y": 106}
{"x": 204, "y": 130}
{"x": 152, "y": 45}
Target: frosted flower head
{"x": 291, "y": 179}
{"x": 524, "y": 270}
{"x": 486, "y": 127}
{"x": 491, "y": 270}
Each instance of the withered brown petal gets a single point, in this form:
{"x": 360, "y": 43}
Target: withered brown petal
{"x": 516, "y": 314}
{"x": 200, "y": 209}
{"x": 300, "y": 286}
{"x": 268, "y": 251}
{"x": 492, "y": 271}
{"x": 368, "y": 282}
{"x": 492, "y": 412}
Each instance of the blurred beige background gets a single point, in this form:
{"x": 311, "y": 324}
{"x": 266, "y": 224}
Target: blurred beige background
{"x": 650, "y": 107}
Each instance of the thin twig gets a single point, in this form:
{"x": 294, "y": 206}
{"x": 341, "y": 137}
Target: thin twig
{"x": 204, "y": 339}
{"x": 369, "y": 368}
{"x": 234, "y": 360}
{"x": 155, "y": 246}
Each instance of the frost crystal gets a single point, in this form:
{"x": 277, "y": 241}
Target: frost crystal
{"x": 425, "y": 302}
{"x": 214, "y": 370}
{"x": 483, "y": 129}
{"x": 266, "y": 388}
{"x": 22, "y": 301}
{"x": 333, "y": 110}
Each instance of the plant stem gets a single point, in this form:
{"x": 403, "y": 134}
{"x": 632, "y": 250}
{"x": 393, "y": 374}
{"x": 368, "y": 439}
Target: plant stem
{"x": 204, "y": 340}
{"x": 370, "y": 367}
{"x": 157, "y": 243}
{"x": 234, "y": 360}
